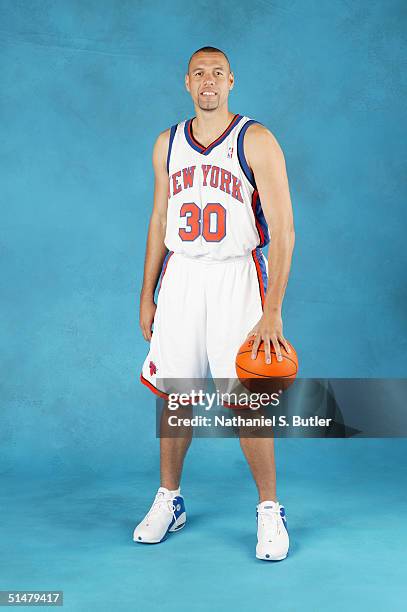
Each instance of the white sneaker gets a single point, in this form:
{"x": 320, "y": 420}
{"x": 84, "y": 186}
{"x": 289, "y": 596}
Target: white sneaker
{"x": 272, "y": 534}
{"x": 167, "y": 514}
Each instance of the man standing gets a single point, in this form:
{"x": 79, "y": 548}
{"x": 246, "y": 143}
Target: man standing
{"x": 221, "y": 188}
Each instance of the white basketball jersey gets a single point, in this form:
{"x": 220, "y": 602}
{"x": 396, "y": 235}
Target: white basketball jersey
{"x": 214, "y": 210}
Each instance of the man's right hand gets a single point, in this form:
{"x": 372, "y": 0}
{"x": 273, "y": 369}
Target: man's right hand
{"x": 147, "y": 313}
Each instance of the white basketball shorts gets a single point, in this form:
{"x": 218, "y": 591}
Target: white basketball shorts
{"x": 205, "y": 309}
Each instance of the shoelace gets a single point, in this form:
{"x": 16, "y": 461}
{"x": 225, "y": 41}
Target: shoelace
{"x": 158, "y": 503}
{"x": 270, "y": 518}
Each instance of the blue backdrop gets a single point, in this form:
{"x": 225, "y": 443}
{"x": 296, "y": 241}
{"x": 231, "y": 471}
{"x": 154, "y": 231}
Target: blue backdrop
{"x": 86, "y": 87}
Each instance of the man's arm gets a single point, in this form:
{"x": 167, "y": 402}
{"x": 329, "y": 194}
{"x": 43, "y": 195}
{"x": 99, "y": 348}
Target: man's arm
{"x": 155, "y": 249}
{"x": 266, "y": 159}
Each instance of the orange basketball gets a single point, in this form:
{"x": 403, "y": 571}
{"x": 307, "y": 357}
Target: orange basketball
{"x": 257, "y": 375}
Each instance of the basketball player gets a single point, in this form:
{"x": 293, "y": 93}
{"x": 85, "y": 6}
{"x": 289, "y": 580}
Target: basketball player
{"x": 220, "y": 186}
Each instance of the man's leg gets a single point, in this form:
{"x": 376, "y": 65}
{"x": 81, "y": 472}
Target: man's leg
{"x": 259, "y": 453}
{"x": 234, "y": 307}
{"x": 272, "y": 535}
{"x": 177, "y": 356}
{"x": 167, "y": 514}
{"x": 173, "y": 448}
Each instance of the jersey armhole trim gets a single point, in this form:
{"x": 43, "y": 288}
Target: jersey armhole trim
{"x": 172, "y": 135}
{"x": 241, "y": 156}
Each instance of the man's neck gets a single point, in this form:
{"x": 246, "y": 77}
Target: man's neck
{"x": 209, "y": 125}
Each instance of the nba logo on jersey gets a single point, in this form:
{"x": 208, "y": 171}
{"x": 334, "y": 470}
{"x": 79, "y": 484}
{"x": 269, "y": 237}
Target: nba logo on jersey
{"x": 230, "y": 152}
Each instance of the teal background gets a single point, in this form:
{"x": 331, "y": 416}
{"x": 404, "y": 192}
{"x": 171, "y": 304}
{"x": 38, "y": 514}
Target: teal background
{"x": 86, "y": 87}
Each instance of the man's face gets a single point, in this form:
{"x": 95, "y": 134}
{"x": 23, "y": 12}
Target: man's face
{"x": 209, "y": 80}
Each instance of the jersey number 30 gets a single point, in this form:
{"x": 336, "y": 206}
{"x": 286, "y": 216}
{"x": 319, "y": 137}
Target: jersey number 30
{"x": 212, "y": 224}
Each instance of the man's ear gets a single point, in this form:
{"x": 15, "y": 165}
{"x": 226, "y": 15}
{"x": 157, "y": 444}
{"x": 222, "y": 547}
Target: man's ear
{"x": 231, "y": 81}
{"x": 187, "y": 82}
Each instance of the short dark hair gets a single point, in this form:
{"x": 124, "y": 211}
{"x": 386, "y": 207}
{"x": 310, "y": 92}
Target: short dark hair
{"x": 209, "y": 50}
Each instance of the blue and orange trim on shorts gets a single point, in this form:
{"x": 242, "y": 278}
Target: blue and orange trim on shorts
{"x": 155, "y": 390}
{"x": 152, "y": 388}
{"x": 258, "y": 259}
{"x": 144, "y": 380}
{"x": 164, "y": 267}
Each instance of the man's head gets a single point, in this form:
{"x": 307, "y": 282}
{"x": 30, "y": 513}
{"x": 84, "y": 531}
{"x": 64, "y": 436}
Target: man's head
{"x": 209, "y": 78}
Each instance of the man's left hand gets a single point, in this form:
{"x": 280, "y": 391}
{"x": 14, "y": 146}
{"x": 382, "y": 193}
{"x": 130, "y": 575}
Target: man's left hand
{"x": 269, "y": 330}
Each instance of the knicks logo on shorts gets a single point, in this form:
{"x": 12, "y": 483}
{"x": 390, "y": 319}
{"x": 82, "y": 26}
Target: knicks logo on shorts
{"x": 153, "y": 368}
